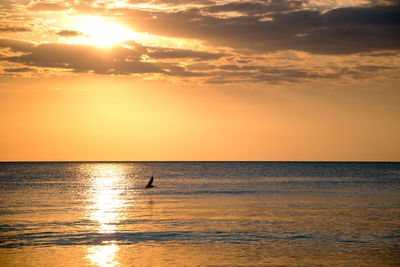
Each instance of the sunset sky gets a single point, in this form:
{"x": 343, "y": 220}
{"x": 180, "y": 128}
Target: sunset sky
{"x": 200, "y": 80}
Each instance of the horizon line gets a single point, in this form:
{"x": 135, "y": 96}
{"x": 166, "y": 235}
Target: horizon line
{"x": 205, "y": 161}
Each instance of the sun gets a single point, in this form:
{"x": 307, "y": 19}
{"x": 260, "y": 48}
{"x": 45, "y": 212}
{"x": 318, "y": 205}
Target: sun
{"x": 100, "y": 31}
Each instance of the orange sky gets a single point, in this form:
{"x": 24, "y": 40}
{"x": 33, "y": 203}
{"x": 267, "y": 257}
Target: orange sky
{"x": 204, "y": 80}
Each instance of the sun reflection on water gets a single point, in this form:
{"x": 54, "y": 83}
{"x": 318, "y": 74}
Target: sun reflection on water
{"x": 103, "y": 255}
{"x": 107, "y": 191}
{"x": 107, "y": 201}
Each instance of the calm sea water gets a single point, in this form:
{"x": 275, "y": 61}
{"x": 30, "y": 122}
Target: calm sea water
{"x": 199, "y": 213}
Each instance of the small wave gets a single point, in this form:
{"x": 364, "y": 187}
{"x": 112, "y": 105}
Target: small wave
{"x": 352, "y": 241}
{"x": 55, "y": 238}
{"x": 219, "y": 192}
{"x": 89, "y": 238}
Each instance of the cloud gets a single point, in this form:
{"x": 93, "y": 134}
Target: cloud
{"x": 382, "y": 54}
{"x": 372, "y": 68}
{"x": 269, "y": 74}
{"x": 17, "y": 45}
{"x": 168, "y": 53}
{"x": 338, "y": 31}
{"x": 129, "y": 58}
{"x": 68, "y": 33}
{"x": 255, "y": 7}
{"x": 119, "y": 60}
{"x": 273, "y": 41}
{"x": 80, "y": 58}
{"x": 10, "y": 4}
{"x": 45, "y": 6}
{"x": 172, "y": 2}
{"x": 239, "y": 7}
{"x": 17, "y": 70}
{"x": 14, "y": 29}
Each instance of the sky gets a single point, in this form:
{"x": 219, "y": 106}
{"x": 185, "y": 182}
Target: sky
{"x": 133, "y": 80}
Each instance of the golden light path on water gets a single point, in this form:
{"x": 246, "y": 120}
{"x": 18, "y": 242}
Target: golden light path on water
{"x": 107, "y": 191}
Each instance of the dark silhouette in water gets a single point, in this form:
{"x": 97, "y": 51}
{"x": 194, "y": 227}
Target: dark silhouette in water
{"x": 149, "y": 184}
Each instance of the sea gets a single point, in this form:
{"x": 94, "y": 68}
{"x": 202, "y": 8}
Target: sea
{"x": 200, "y": 214}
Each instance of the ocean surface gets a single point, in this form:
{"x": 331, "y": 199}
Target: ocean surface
{"x": 200, "y": 214}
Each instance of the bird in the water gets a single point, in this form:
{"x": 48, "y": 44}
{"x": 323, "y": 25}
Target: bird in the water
{"x": 149, "y": 184}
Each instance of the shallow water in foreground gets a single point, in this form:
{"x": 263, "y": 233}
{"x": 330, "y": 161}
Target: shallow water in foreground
{"x": 200, "y": 213}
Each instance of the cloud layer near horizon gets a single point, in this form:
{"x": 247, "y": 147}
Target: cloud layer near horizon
{"x": 251, "y": 41}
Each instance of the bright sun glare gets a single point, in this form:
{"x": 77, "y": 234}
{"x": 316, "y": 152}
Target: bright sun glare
{"x": 101, "y": 32}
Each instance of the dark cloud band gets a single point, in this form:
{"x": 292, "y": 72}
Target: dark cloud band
{"x": 338, "y": 31}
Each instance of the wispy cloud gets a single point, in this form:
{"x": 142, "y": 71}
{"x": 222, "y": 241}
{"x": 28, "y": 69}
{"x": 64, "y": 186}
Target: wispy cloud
{"x": 17, "y": 70}
{"x": 14, "y": 29}
{"x": 69, "y": 33}
{"x": 47, "y": 6}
